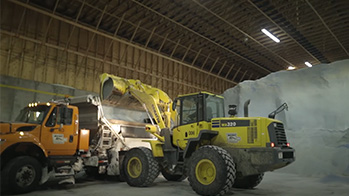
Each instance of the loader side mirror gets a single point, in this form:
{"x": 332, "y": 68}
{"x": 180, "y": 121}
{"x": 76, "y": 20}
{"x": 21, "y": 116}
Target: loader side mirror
{"x": 174, "y": 104}
{"x": 283, "y": 107}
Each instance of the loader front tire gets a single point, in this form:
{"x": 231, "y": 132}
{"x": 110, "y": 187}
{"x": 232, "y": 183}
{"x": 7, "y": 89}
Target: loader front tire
{"x": 211, "y": 171}
{"x": 140, "y": 167}
{"x": 248, "y": 182}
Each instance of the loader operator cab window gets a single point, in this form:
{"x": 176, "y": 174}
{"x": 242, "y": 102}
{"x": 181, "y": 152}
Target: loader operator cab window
{"x": 192, "y": 110}
{"x": 188, "y": 106}
{"x": 214, "y": 107}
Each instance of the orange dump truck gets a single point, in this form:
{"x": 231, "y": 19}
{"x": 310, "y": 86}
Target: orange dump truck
{"x": 59, "y": 139}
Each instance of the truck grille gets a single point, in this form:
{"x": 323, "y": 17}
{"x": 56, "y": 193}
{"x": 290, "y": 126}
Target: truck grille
{"x": 280, "y": 134}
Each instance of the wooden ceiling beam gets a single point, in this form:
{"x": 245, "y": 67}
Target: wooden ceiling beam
{"x": 324, "y": 23}
{"x": 300, "y": 45}
{"x": 204, "y": 37}
{"x": 241, "y": 31}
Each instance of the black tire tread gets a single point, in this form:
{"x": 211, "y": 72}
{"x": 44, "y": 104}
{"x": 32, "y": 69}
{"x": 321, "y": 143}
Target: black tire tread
{"x": 248, "y": 182}
{"x": 154, "y": 169}
{"x": 230, "y": 167}
{"x": 7, "y": 175}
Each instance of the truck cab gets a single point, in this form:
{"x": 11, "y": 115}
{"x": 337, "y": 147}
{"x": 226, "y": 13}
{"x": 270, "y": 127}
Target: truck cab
{"x": 44, "y": 135}
{"x": 52, "y": 127}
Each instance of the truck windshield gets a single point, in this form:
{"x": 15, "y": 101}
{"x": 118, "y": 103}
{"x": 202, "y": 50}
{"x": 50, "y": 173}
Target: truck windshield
{"x": 214, "y": 107}
{"x": 33, "y": 114}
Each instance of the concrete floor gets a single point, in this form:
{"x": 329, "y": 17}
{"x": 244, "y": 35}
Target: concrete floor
{"x": 272, "y": 184}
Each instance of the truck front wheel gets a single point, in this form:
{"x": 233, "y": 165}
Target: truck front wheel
{"x": 140, "y": 167}
{"x": 248, "y": 182}
{"x": 211, "y": 171}
{"x": 22, "y": 174}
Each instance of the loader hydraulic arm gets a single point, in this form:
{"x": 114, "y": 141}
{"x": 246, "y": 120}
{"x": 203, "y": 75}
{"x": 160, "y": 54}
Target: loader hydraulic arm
{"x": 133, "y": 94}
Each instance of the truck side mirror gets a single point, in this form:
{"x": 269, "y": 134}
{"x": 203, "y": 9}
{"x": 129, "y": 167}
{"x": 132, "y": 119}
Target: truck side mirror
{"x": 64, "y": 113}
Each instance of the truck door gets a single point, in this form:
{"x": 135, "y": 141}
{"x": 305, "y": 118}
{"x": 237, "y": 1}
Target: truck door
{"x": 59, "y": 133}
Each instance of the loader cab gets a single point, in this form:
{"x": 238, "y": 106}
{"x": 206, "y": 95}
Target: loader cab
{"x": 195, "y": 112}
{"x": 194, "y": 108}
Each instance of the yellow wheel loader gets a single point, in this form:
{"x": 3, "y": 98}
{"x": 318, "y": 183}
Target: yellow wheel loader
{"x": 196, "y": 140}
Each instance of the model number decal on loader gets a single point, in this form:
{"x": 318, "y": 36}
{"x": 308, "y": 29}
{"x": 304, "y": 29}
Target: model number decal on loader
{"x": 233, "y": 138}
{"x": 235, "y": 123}
{"x": 229, "y": 124}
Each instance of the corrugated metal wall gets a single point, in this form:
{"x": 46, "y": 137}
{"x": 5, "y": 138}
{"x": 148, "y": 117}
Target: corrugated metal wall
{"x": 45, "y": 49}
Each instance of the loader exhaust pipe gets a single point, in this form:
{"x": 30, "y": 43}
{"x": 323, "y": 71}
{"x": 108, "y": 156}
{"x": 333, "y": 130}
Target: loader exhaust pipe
{"x": 246, "y": 108}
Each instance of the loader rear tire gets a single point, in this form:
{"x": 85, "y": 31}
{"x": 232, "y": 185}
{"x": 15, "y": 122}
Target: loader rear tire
{"x": 140, "y": 167}
{"x": 248, "y": 182}
{"x": 211, "y": 171}
{"x": 170, "y": 177}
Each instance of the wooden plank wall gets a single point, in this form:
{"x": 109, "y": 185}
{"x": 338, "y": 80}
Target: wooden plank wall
{"x": 36, "y": 47}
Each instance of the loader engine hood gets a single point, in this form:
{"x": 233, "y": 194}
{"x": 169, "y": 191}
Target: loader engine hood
{"x": 7, "y": 127}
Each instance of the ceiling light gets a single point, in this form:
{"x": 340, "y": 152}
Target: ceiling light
{"x": 308, "y": 64}
{"x": 291, "y": 68}
{"x": 270, "y": 35}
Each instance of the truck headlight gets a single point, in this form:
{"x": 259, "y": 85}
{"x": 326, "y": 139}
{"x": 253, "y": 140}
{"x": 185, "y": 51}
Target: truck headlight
{"x": 2, "y": 141}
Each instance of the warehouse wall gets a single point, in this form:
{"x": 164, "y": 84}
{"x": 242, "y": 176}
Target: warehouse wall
{"x": 40, "y": 48}
{"x": 16, "y": 93}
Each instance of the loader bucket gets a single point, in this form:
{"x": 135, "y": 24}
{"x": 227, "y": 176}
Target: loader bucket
{"x": 114, "y": 92}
